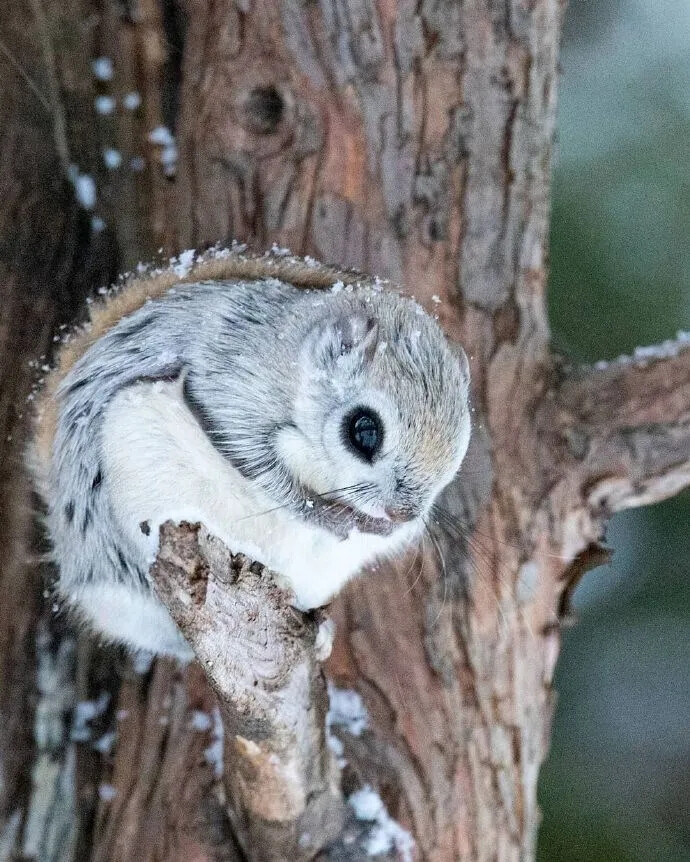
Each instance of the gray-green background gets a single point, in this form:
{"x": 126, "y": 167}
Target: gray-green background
{"x": 617, "y": 784}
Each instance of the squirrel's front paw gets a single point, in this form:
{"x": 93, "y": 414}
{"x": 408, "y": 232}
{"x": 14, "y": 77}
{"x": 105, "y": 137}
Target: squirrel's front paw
{"x": 324, "y": 636}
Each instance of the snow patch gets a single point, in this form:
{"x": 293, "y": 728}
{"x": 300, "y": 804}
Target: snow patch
{"x": 169, "y": 160}
{"x": 668, "y": 349}
{"x": 107, "y": 792}
{"x": 84, "y": 712}
{"x": 85, "y": 190}
{"x": 106, "y": 743}
{"x": 183, "y": 263}
{"x": 337, "y": 747}
{"x": 201, "y": 721}
{"x": 112, "y": 158}
{"x": 104, "y": 105}
{"x": 142, "y": 661}
{"x": 385, "y": 833}
{"x": 346, "y": 710}
{"x": 214, "y": 752}
{"x": 131, "y": 100}
{"x": 102, "y": 68}
{"x": 163, "y": 137}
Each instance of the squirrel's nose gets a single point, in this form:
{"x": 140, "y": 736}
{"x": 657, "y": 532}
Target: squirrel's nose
{"x": 399, "y": 514}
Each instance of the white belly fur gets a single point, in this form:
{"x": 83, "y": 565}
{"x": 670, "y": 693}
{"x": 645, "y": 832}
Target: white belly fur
{"x": 159, "y": 465}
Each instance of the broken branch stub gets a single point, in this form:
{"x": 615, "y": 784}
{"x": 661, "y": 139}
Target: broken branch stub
{"x": 281, "y": 779}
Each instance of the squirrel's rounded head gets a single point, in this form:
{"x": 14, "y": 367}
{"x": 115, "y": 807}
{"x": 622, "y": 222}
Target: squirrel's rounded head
{"x": 381, "y": 418}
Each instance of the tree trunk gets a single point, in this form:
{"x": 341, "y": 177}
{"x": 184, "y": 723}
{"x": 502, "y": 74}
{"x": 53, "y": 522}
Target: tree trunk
{"x": 408, "y": 139}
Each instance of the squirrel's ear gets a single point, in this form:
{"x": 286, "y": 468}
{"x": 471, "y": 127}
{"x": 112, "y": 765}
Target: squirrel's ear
{"x": 349, "y": 334}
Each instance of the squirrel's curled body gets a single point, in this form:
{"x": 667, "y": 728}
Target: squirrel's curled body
{"x": 309, "y": 430}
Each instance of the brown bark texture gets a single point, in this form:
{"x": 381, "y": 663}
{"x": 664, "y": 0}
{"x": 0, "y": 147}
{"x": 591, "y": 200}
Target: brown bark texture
{"x": 408, "y": 139}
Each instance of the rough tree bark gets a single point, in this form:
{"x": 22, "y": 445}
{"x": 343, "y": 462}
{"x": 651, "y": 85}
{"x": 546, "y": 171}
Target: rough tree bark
{"x": 411, "y": 139}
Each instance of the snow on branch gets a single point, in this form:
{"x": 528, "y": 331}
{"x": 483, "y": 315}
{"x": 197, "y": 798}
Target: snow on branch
{"x": 628, "y": 424}
{"x": 280, "y": 777}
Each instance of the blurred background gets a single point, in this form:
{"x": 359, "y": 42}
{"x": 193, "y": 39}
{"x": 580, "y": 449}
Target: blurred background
{"x": 617, "y": 784}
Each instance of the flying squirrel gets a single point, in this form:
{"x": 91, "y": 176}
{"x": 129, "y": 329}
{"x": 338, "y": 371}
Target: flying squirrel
{"x": 307, "y": 416}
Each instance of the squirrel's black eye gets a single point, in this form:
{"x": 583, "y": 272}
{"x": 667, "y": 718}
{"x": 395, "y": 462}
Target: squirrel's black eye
{"x": 364, "y": 432}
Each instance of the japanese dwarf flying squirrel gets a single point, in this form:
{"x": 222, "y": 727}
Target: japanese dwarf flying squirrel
{"x": 306, "y": 416}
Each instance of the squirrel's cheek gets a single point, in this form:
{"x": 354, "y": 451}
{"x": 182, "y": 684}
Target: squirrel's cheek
{"x": 297, "y": 453}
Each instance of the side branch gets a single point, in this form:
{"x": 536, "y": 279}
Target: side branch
{"x": 628, "y": 423}
{"x": 280, "y": 778}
